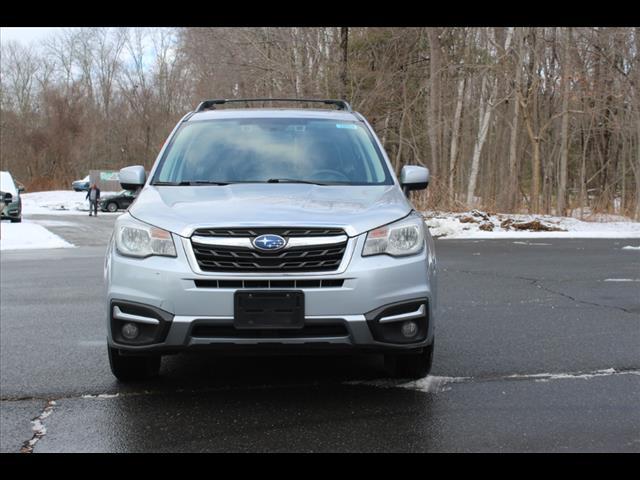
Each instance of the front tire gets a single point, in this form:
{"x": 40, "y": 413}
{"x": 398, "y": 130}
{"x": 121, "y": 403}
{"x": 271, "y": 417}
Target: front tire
{"x": 412, "y": 366}
{"x": 133, "y": 368}
{"x": 112, "y": 207}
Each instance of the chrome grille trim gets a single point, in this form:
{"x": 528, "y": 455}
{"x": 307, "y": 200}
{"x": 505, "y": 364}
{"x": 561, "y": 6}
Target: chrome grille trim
{"x": 289, "y": 232}
{"x": 245, "y": 242}
{"x": 193, "y": 263}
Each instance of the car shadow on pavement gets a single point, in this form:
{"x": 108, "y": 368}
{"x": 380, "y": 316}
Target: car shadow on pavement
{"x": 207, "y": 371}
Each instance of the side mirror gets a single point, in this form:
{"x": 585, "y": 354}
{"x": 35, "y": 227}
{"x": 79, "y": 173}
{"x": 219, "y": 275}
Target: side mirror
{"x": 132, "y": 178}
{"x": 413, "y": 177}
{"x": 21, "y": 189}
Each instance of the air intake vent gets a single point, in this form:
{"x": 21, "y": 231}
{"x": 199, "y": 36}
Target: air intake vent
{"x": 309, "y": 331}
{"x": 330, "y": 283}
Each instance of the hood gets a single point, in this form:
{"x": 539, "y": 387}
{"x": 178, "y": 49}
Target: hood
{"x": 356, "y": 209}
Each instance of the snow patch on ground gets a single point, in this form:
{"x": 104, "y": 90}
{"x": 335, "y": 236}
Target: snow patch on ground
{"x": 429, "y": 384}
{"x": 102, "y": 395}
{"x": 481, "y": 225}
{"x": 39, "y": 429}
{"x": 28, "y": 235}
{"x": 530, "y": 243}
{"x": 57, "y": 202}
{"x": 622, "y": 280}
{"x": 436, "y": 384}
{"x": 630, "y": 247}
{"x": 432, "y": 384}
{"x": 545, "y": 377}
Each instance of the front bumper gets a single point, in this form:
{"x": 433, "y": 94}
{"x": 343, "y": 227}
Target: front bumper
{"x": 339, "y": 316}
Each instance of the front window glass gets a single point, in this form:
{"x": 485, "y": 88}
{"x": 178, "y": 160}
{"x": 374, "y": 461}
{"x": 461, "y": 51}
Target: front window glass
{"x": 270, "y": 149}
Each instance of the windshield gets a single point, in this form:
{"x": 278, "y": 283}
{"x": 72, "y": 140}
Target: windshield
{"x": 327, "y": 152}
{"x": 7, "y": 185}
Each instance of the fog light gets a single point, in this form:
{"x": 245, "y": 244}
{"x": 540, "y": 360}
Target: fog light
{"x": 409, "y": 329}
{"x": 130, "y": 331}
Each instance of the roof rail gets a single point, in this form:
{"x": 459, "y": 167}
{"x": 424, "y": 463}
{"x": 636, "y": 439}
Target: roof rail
{"x": 210, "y": 104}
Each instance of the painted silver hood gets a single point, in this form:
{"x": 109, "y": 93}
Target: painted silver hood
{"x": 356, "y": 209}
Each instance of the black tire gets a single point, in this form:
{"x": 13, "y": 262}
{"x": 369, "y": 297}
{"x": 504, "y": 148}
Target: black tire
{"x": 133, "y": 368}
{"x": 112, "y": 207}
{"x": 16, "y": 220}
{"x": 412, "y": 366}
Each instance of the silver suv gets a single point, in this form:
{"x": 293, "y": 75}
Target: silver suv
{"x": 261, "y": 229}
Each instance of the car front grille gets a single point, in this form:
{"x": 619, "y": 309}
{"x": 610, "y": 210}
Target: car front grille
{"x": 310, "y": 258}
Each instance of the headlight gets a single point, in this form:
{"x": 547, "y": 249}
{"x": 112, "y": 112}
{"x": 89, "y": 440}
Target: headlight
{"x": 137, "y": 239}
{"x": 404, "y": 237}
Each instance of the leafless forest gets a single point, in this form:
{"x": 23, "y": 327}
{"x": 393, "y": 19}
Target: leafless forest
{"x": 543, "y": 120}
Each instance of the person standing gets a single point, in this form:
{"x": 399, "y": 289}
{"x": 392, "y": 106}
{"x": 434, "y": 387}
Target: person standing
{"x": 93, "y": 195}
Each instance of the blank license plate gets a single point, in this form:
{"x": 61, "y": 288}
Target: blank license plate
{"x": 260, "y": 309}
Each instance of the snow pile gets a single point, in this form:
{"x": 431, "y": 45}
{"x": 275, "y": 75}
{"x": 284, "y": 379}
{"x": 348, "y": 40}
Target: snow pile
{"x": 477, "y": 224}
{"x": 57, "y": 202}
{"x": 27, "y": 235}
{"x": 631, "y": 247}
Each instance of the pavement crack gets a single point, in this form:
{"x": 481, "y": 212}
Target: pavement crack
{"x": 577, "y": 300}
{"x": 537, "y": 283}
{"x": 38, "y": 427}
{"x": 22, "y": 399}
{"x": 492, "y": 274}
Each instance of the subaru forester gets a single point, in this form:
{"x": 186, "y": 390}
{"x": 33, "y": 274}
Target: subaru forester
{"x": 262, "y": 229}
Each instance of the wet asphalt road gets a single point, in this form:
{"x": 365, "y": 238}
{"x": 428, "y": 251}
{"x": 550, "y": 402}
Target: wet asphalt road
{"x": 536, "y": 350}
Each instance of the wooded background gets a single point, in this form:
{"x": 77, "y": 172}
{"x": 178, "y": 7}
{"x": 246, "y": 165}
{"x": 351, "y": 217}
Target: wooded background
{"x": 534, "y": 119}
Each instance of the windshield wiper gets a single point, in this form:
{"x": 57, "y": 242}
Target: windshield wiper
{"x": 187, "y": 183}
{"x": 293, "y": 180}
{"x": 206, "y": 182}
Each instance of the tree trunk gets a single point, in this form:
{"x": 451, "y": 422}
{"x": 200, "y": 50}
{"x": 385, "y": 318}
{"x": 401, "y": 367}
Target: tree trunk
{"x": 535, "y": 175}
{"x": 385, "y": 129}
{"x": 564, "y": 134}
{"x": 484, "y": 116}
{"x": 344, "y": 49}
{"x": 513, "y": 188}
{"x": 434, "y": 98}
{"x": 637, "y": 172}
{"x": 454, "y": 139}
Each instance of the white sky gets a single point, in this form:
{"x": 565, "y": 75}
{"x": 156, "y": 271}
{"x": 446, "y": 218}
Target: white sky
{"x": 26, "y": 35}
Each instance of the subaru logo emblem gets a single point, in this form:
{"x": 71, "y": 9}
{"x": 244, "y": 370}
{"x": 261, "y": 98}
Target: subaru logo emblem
{"x": 269, "y": 242}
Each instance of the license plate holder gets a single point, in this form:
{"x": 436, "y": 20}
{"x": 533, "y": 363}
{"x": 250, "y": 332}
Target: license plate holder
{"x": 259, "y": 309}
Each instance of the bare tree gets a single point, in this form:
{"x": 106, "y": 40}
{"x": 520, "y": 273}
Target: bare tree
{"x": 505, "y": 118}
